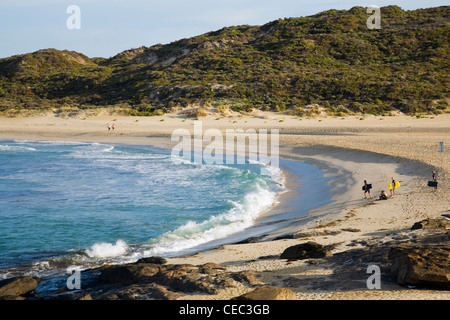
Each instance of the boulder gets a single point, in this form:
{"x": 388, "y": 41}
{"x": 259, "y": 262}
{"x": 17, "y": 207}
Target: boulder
{"x": 247, "y": 276}
{"x": 183, "y": 277}
{"x": 436, "y": 223}
{"x": 152, "y": 260}
{"x": 131, "y": 281}
{"x": 422, "y": 265}
{"x": 251, "y": 240}
{"x": 211, "y": 268}
{"x": 144, "y": 292}
{"x": 17, "y": 286}
{"x": 268, "y": 293}
{"x": 72, "y": 296}
{"x": 127, "y": 274}
{"x": 309, "y": 234}
{"x": 306, "y": 250}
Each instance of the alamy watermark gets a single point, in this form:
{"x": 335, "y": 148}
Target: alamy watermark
{"x": 374, "y": 281}
{"x": 74, "y": 20}
{"x": 236, "y": 147}
{"x": 74, "y": 280}
{"x": 374, "y": 21}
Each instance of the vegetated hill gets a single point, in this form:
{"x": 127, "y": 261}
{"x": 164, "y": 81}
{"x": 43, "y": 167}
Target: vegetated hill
{"x": 331, "y": 59}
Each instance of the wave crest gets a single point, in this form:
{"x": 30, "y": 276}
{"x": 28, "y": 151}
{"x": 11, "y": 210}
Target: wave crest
{"x": 192, "y": 234}
{"x": 107, "y": 250}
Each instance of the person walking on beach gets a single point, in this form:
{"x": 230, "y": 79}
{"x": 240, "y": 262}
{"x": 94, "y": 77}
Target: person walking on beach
{"x": 393, "y": 188}
{"x": 366, "y": 189}
{"x": 434, "y": 179}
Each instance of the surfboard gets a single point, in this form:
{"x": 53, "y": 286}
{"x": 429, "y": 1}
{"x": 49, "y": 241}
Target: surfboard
{"x": 391, "y": 186}
{"x": 432, "y": 183}
{"x": 369, "y": 186}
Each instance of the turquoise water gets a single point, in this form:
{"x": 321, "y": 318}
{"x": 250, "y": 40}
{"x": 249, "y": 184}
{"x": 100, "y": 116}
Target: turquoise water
{"x": 86, "y": 204}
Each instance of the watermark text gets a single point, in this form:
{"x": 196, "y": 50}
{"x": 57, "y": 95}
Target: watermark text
{"x": 236, "y": 147}
{"x": 374, "y": 21}
{"x": 73, "y": 22}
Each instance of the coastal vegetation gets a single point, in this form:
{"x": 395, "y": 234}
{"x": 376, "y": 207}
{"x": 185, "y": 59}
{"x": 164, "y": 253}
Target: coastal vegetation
{"x": 329, "y": 62}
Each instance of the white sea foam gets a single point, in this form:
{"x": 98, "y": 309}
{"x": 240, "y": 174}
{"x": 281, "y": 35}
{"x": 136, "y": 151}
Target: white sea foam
{"x": 108, "y": 149}
{"x": 55, "y": 143}
{"x": 242, "y": 215}
{"x": 110, "y": 152}
{"x": 15, "y": 148}
{"x": 274, "y": 172}
{"x": 107, "y": 250}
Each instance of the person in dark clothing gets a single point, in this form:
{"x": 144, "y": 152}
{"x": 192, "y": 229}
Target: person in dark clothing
{"x": 366, "y": 189}
{"x": 434, "y": 179}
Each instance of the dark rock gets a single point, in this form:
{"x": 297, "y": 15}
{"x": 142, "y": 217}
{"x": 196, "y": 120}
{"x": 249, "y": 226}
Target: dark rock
{"x": 152, "y": 260}
{"x": 268, "y": 293}
{"x": 249, "y": 276}
{"x": 73, "y": 296}
{"x": 422, "y": 265}
{"x": 351, "y": 230}
{"x": 12, "y": 298}
{"x": 226, "y": 282}
{"x": 269, "y": 257}
{"x": 117, "y": 275}
{"x": 251, "y": 240}
{"x": 150, "y": 291}
{"x": 306, "y": 250}
{"x": 309, "y": 234}
{"x": 128, "y": 274}
{"x": 108, "y": 296}
{"x": 17, "y": 286}
{"x": 436, "y": 223}
{"x": 160, "y": 293}
{"x": 156, "y": 281}
{"x": 211, "y": 268}
{"x": 182, "y": 277}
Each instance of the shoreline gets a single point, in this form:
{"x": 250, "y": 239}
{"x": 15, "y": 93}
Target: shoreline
{"x": 271, "y": 219}
{"x": 404, "y": 149}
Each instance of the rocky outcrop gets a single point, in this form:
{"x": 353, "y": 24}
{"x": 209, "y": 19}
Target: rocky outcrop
{"x": 306, "y": 250}
{"x": 128, "y": 274}
{"x": 422, "y": 265}
{"x": 268, "y": 293}
{"x": 249, "y": 277}
{"x": 185, "y": 278}
{"x": 153, "y": 279}
{"x": 436, "y": 223}
{"x": 419, "y": 258}
{"x": 145, "y": 291}
{"x": 17, "y": 288}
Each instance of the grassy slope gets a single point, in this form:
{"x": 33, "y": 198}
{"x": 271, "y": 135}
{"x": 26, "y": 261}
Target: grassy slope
{"x": 330, "y": 59}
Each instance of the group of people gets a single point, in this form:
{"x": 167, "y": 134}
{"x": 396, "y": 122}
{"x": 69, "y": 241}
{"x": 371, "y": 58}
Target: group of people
{"x": 383, "y": 195}
{"x": 111, "y": 127}
{"x": 392, "y": 186}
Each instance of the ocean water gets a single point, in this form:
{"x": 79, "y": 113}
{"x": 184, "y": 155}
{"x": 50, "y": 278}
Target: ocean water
{"x": 86, "y": 204}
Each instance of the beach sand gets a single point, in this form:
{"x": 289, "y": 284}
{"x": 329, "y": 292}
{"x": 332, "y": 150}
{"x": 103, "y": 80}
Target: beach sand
{"x": 348, "y": 150}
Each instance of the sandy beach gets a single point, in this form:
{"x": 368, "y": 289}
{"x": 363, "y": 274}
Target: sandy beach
{"x": 348, "y": 150}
